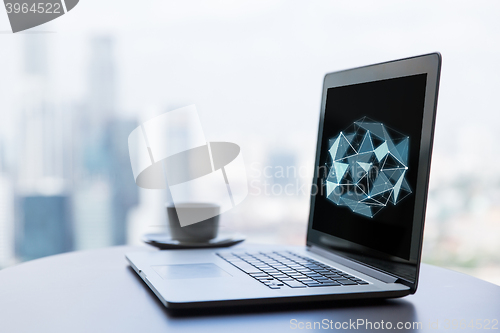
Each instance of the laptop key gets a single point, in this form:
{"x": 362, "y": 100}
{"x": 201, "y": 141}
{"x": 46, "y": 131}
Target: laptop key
{"x": 313, "y": 267}
{"x": 259, "y": 276}
{"x": 309, "y": 282}
{"x": 271, "y": 271}
{"x": 294, "y": 284}
{"x": 330, "y": 284}
{"x": 333, "y": 276}
{"x": 346, "y": 282}
{"x": 277, "y": 276}
{"x": 321, "y": 271}
{"x": 322, "y": 279}
{"x": 247, "y": 268}
{"x": 273, "y": 281}
{"x": 286, "y": 279}
{"x": 313, "y": 275}
{"x": 306, "y": 281}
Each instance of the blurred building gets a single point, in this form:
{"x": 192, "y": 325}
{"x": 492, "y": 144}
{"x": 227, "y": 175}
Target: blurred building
{"x": 44, "y": 225}
{"x": 6, "y": 220}
{"x": 46, "y": 229}
{"x": 124, "y": 191}
{"x": 282, "y": 171}
{"x": 92, "y": 215}
{"x": 7, "y": 255}
{"x": 104, "y": 187}
{"x": 101, "y": 91}
{"x": 98, "y": 109}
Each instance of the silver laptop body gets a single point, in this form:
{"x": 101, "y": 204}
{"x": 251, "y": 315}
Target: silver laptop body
{"x": 367, "y": 209}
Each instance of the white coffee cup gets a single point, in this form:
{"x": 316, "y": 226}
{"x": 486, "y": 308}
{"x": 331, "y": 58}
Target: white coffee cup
{"x": 198, "y": 232}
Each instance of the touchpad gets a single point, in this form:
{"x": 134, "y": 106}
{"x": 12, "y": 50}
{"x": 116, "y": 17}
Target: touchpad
{"x": 190, "y": 271}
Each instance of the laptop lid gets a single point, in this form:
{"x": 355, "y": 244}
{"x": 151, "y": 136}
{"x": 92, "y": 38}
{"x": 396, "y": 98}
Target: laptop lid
{"x": 372, "y": 164}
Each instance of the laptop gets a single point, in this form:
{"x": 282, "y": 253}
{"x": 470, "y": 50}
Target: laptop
{"x": 367, "y": 206}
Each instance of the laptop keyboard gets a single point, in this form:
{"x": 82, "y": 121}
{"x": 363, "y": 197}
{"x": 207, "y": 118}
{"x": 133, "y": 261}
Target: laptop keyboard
{"x": 283, "y": 268}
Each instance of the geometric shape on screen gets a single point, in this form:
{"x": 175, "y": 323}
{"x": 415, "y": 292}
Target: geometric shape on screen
{"x": 367, "y": 167}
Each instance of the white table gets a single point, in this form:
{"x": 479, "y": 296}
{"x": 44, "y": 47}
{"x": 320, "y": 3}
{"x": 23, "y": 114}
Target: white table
{"x": 96, "y": 291}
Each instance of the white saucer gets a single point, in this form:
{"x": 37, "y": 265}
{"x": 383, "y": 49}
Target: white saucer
{"x": 164, "y": 241}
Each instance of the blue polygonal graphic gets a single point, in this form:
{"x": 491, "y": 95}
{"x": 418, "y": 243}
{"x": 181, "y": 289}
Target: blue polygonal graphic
{"x": 367, "y": 169}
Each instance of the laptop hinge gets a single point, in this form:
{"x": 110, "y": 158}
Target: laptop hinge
{"x": 354, "y": 265}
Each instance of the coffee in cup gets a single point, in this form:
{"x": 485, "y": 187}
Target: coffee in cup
{"x": 199, "y": 232}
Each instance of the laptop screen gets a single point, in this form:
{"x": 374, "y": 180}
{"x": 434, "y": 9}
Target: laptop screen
{"x": 367, "y": 178}
{"x": 369, "y": 160}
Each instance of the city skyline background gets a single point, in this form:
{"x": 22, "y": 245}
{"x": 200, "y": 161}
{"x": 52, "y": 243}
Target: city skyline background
{"x": 71, "y": 91}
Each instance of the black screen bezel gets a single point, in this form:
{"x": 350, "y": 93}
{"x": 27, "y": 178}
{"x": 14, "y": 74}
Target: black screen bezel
{"x": 431, "y": 65}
